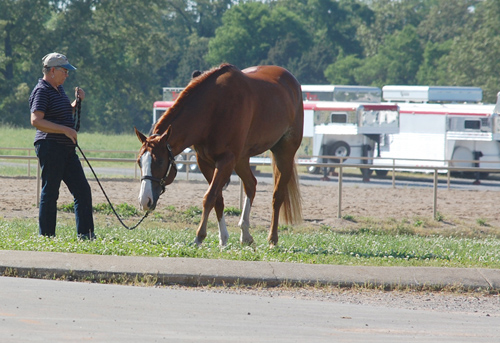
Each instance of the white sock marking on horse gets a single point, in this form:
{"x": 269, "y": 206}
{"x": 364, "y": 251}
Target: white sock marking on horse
{"x": 244, "y": 222}
{"x": 223, "y": 234}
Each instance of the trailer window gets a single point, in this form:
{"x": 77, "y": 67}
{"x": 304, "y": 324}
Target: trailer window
{"x": 472, "y": 124}
{"x": 338, "y": 118}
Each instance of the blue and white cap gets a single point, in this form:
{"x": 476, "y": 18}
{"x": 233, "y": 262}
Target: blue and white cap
{"x": 56, "y": 59}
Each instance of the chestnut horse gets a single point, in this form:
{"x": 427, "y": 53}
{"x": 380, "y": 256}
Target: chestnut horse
{"x": 229, "y": 115}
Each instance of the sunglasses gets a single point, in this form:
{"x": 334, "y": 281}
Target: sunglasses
{"x": 65, "y": 71}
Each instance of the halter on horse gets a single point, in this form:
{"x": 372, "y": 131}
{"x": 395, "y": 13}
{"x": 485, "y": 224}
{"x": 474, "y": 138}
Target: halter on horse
{"x": 228, "y": 116}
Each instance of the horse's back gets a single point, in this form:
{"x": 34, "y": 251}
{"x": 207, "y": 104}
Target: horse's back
{"x": 279, "y": 100}
{"x": 275, "y": 75}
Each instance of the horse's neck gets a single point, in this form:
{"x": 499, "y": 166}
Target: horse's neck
{"x": 183, "y": 133}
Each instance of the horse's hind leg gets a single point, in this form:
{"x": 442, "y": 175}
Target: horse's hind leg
{"x": 284, "y": 154}
{"x": 249, "y": 183}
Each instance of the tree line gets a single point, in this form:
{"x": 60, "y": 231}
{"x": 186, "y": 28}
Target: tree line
{"x": 127, "y": 50}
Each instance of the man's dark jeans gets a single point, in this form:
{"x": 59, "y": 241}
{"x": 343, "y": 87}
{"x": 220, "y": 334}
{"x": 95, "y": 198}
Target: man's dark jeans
{"x": 60, "y": 163}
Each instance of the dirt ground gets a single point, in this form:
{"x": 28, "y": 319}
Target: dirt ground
{"x": 459, "y": 209}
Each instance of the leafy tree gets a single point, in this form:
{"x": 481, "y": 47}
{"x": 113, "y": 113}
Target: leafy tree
{"x": 235, "y": 41}
{"x": 430, "y": 71}
{"x": 390, "y": 17}
{"x": 475, "y": 55}
{"x": 342, "y": 71}
{"x": 445, "y": 20}
{"x": 23, "y": 36}
{"x": 397, "y": 62}
{"x": 208, "y": 15}
{"x": 304, "y": 36}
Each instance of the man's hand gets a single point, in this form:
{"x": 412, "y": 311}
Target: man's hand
{"x": 79, "y": 93}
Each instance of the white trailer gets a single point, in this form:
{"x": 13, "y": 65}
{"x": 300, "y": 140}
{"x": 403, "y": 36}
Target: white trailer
{"x": 348, "y": 130}
{"x": 442, "y": 134}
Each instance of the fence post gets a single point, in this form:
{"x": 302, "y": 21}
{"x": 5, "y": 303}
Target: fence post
{"x": 29, "y": 163}
{"x": 434, "y": 206}
{"x": 393, "y": 173}
{"x": 339, "y": 210}
{"x": 135, "y": 167}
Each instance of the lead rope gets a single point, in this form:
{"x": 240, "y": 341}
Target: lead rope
{"x": 77, "y": 128}
{"x": 78, "y": 109}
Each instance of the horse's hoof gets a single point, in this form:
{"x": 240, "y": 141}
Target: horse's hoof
{"x": 272, "y": 242}
{"x": 247, "y": 240}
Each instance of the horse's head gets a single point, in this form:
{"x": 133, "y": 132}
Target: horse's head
{"x": 158, "y": 168}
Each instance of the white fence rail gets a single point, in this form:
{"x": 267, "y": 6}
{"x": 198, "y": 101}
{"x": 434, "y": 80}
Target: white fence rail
{"x": 391, "y": 166}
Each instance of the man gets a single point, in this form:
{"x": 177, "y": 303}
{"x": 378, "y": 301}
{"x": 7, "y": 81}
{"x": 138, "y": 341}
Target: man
{"x": 55, "y": 143}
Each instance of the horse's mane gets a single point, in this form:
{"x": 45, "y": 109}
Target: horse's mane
{"x": 191, "y": 89}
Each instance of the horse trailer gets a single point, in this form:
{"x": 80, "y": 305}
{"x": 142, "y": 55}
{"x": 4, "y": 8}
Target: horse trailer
{"x": 348, "y": 131}
{"x": 443, "y": 127}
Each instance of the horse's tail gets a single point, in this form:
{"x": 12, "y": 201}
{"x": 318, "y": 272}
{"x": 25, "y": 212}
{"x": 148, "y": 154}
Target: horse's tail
{"x": 291, "y": 210}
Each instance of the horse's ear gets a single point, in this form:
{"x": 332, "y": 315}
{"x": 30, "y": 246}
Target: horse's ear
{"x": 141, "y": 137}
{"x": 165, "y": 136}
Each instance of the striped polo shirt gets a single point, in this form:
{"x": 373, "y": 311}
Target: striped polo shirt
{"x": 57, "y": 108}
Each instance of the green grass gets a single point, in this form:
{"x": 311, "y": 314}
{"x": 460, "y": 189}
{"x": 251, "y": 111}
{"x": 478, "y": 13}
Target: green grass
{"x": 172, "y": 235}
{"x": 23, "y": 138}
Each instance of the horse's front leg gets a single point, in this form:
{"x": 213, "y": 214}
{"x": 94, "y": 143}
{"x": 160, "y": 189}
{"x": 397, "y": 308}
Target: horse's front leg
{"x": 249, "y": 182}
{"x": 213, "y": 198}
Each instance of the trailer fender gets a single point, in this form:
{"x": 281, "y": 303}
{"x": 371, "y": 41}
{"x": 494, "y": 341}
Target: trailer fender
{"x": 462, "y": 154}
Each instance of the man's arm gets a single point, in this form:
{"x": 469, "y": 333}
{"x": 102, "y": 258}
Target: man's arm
{"x": 38, "y": 121}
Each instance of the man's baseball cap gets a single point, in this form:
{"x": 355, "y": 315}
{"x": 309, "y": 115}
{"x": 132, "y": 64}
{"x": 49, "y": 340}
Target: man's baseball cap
{"x": 55, "y": 59}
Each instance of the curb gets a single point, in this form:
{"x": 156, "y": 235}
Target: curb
{"x": 195, "y": 272}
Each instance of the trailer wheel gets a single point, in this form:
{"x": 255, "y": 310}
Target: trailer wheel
{"x": 339, "y": 149}
{"x": 180, "y": 158}
{"x": 193, "y": 168}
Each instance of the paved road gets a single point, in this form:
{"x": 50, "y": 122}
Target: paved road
{"x": 55, "y": 311}
{"x": 34, "y": 310}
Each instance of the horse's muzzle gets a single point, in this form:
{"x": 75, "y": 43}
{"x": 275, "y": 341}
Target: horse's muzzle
{"x": 148, "y": 195}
